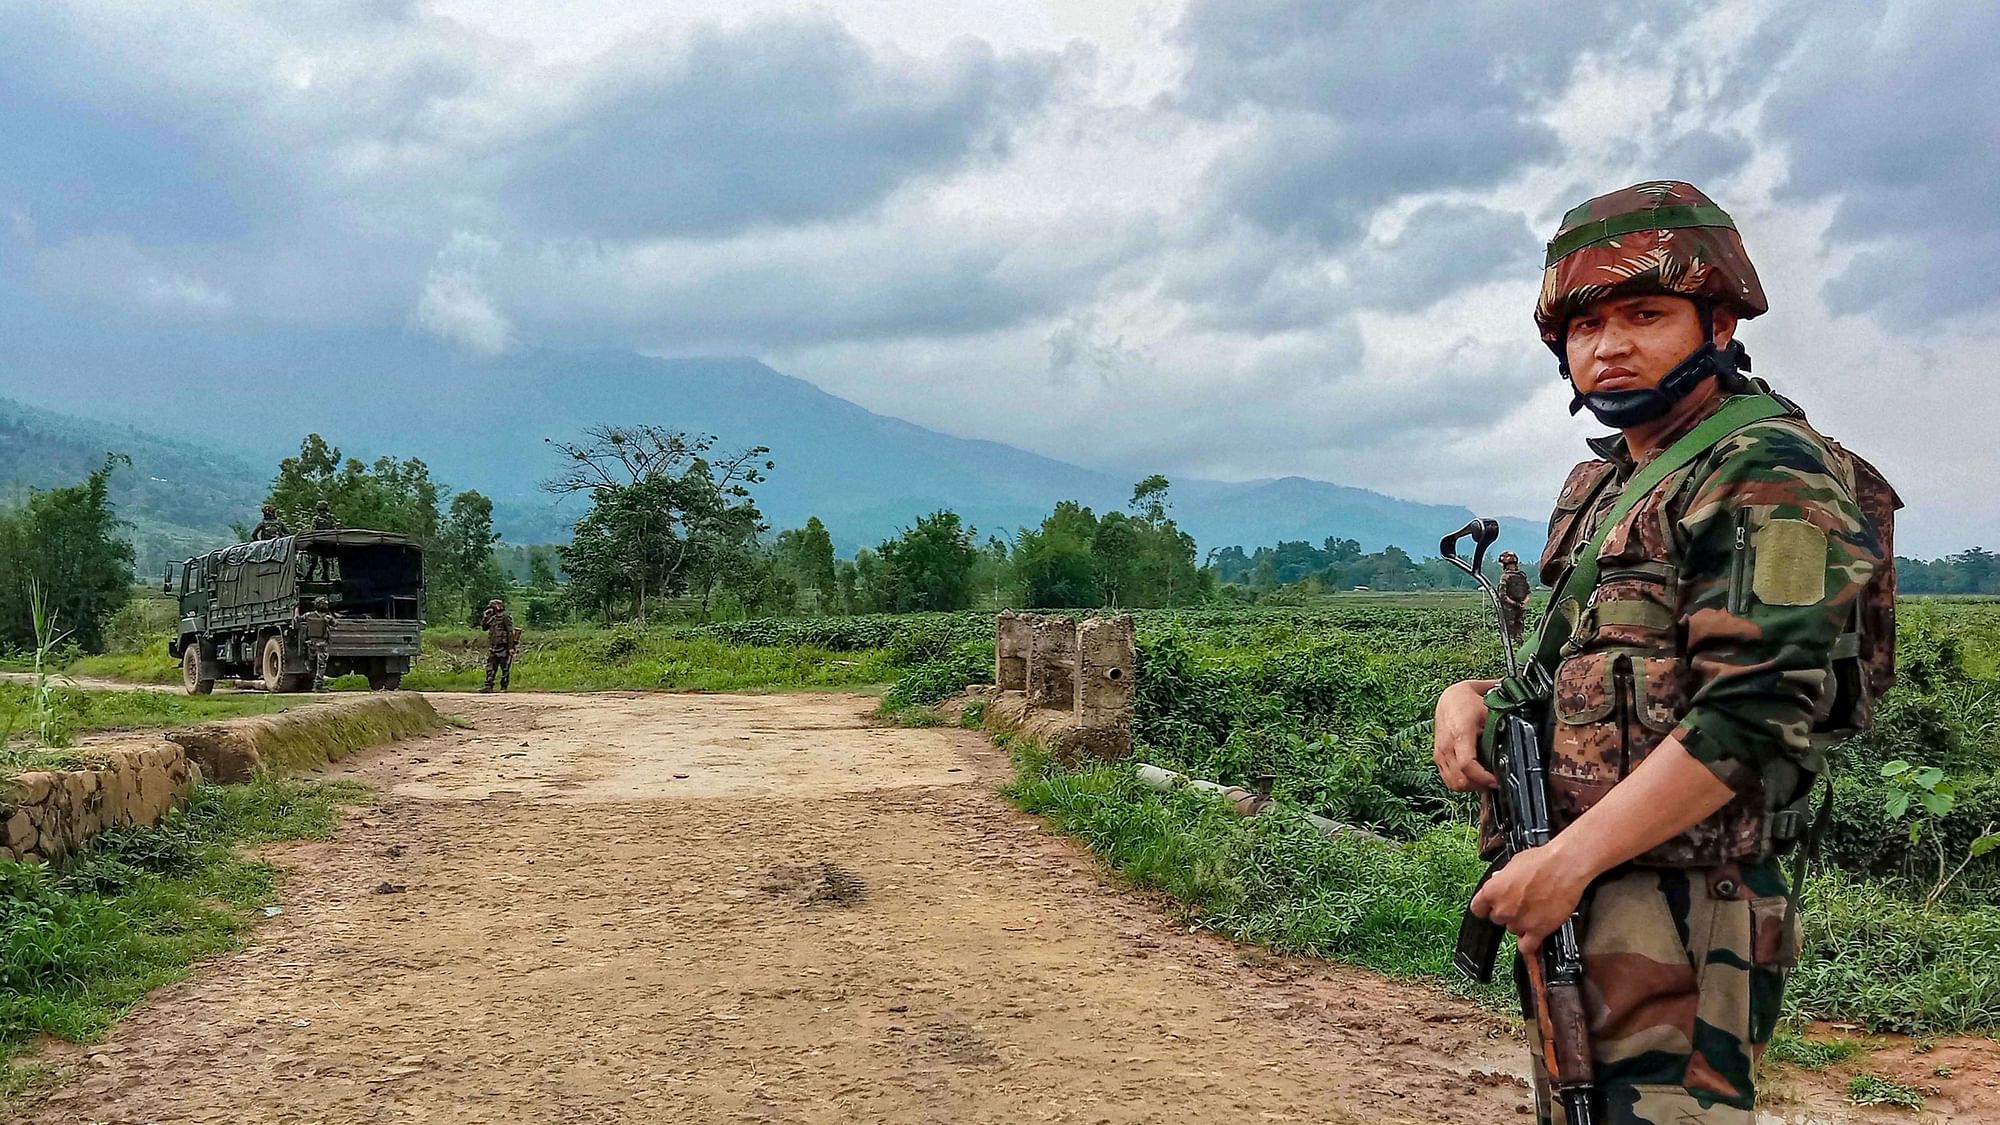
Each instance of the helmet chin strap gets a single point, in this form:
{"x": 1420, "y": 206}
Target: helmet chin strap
{"x": 1636, "y": 407}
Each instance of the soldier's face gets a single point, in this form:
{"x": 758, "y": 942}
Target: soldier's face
{"x": 1630, "y": 343}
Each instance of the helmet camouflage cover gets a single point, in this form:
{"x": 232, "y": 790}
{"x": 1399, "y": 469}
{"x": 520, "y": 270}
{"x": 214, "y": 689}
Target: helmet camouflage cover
{"x": 1663, "y": 236}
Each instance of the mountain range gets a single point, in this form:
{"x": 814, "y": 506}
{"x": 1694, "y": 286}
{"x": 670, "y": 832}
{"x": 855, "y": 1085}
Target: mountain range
{"x": 484, "y": 424}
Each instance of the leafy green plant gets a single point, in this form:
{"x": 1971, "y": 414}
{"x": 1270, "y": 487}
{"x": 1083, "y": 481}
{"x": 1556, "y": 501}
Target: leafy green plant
{"x": 1871, "y": 1089}
{"x": 1922, "y": 794}
{"x": 53, "y": 722}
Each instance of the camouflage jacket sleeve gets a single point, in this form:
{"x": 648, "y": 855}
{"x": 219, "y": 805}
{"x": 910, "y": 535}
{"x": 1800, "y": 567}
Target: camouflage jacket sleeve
{"x": 1775, "y": 553}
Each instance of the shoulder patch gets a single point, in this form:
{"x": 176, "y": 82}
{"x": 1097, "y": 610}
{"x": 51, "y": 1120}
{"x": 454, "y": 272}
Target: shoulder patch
{"x": 1789, "y": 565}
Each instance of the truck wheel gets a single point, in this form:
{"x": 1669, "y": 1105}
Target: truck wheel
{"x": 191, "y": 671}
{"x": 385, "y": 681}
{"x": 273, "y": 665}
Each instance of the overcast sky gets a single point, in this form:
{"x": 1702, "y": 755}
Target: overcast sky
{"x": 1241, "y": 239}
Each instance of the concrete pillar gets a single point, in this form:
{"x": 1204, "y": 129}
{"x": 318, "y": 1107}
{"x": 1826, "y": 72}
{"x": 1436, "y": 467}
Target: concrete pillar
{"x": 1107, "y": 664}
{"x": 1052, "y": 664}
{"x": 1013, "y": 637}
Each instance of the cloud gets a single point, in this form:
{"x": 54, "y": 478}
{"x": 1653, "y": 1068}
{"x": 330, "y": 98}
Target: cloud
{"x": 454, "y": 305}
{"x": 1361, "y": 103}
{"x": 1894, "y": 112}
{"x": 785, "y": 121}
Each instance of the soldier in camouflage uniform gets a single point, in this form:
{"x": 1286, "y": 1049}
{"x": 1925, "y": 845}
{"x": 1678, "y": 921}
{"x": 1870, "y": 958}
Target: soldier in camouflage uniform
{"x": 316, "y": 627}
{"x": 1514, "y": 591}
{"x": 270, "y": 527}
{"x": 323, "y": 517}
{"x": 1693, "y": 674}
{"x": 501, "y": 637}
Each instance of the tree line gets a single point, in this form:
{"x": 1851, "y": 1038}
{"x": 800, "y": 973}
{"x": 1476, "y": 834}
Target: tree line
{"x": 671, "y": 526}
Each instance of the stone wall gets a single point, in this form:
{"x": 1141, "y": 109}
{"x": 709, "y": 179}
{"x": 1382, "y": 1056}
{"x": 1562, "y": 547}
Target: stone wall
{"x": 47, "y": 814}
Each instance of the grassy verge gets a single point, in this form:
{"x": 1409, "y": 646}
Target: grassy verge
{"x": 79, "y": 947}
{"x": 1874, "y": 955}
{"x": 80, "y": 711}
{"x": 1271, "y": 880}
{"x": 654, "y": 661}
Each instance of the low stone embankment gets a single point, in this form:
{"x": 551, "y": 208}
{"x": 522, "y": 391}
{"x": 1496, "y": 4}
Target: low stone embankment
{"x": 304, "y": 738}
{"x": 133, "y": 782}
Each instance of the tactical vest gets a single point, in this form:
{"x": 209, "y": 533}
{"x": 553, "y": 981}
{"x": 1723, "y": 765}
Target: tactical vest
{"x": 1623, "y": 683}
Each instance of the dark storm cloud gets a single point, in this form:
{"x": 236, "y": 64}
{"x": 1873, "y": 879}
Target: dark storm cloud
{"x": 86, "y": 148}
{"x": 785, "y": 121}
{"x": 1366, "y": 103}
{"x": 1896, "y": 113}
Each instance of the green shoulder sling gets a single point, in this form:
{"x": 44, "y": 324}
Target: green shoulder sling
{"x": 1544, "y": 649}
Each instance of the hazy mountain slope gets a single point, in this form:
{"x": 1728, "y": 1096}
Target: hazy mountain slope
{"x": 485, "y": 424}
{"x": 177, "y": 496}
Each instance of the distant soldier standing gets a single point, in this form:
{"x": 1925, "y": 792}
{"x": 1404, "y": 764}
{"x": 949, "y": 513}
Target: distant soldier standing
{"x": 323, "y": 517}
{"x": 317, "y": 629}
{"x": 270, "y": 527}
{"x": 501, "y": 639}
{"x": 1736, "y": 613}
{"x": 1514, "y": 591}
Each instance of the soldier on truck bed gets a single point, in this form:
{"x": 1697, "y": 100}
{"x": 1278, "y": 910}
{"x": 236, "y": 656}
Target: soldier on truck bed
{"x": 270, "y": 527}
{"x": 323, "y": 517}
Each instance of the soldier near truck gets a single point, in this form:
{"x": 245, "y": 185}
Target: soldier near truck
{"x": 243, "y": 610}
{"x": 502, "y": 639}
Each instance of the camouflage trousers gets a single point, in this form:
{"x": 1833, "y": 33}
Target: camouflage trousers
{"x": 1685, "y": 974}
{"x": 1516, "y": 619}
{"x": 502, "y": 661}
{"x": 316, "y": 656}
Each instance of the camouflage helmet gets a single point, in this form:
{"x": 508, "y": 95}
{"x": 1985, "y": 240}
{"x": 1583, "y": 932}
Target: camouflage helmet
{"x": 323, "y": 506}
{"x": 1662, "y": 236}
{"x": 270, "y": 510}
{"x": 1509, "y": 558}
{"x": 320, "y": 603}
{"x": 497, "y": 603}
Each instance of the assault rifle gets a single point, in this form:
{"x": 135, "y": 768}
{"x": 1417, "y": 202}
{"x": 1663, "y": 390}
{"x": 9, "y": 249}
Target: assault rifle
{"x": 1520, "y": 809}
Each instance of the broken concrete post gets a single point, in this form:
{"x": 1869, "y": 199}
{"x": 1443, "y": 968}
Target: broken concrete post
{"x": 1013, "y": 637}
{"x": 1052, "y": 664}
{"x": 1107, "y": 665}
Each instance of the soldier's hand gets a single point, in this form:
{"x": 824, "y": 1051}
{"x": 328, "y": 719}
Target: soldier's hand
{"x": 1535, "y": 893}
{"x": 1461, "y": 719}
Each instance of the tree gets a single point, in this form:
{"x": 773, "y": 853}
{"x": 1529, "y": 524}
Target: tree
{"x": 68, "y": 542}
{"x": 1054, "y": 562}
{"x": 932, "y": 564}
{"x": 468, "y": 574}
{"x": 807, "y": 552}
{"x": 542, "y": 566}
{"x": 1114, "y": 553}
{"x": 664, "y": 517}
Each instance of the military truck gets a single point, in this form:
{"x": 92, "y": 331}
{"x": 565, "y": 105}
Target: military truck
{"x": 241, "y": 605}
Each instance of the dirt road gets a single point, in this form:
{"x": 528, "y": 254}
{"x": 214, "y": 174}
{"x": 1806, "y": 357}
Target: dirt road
{"x": 625, "y": 908}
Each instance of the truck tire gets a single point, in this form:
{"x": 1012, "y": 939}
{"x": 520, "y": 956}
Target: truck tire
{"x": 385, "y": 681}
{"x": 276, "y": 680}
{"x": 191, "y": 671}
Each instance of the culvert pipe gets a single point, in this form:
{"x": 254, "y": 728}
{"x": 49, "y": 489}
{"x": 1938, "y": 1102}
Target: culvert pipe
{"x": 1251, "y": 802}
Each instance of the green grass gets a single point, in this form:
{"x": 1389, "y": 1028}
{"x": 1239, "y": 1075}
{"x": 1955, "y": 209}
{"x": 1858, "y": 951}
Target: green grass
{"x": 79, "y": 946}
{"x": 85, "y": 711}
{"x": 149, "y": 665}
{"x": 1272, "y": 879}
{"x": 1872, "y": 955}
{"x": 618, "y": 660}
{"x": 1870, "y": 1089}
{"x": 1788, "y": 1046}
